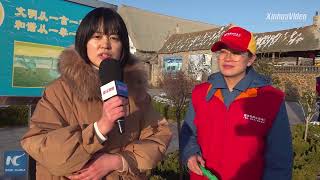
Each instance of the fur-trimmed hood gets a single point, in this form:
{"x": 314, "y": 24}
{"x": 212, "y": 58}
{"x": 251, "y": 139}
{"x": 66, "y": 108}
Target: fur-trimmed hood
{"x": 84, "y": 81}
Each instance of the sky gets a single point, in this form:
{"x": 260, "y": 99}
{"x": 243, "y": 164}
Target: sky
{"x": 254, "y": 15}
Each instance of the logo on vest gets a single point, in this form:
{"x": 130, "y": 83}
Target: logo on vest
{"x": 254, "y": 118}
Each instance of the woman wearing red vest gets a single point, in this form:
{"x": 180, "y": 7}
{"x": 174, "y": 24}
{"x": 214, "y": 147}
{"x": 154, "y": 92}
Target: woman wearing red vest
{"x": 237, "y": 125}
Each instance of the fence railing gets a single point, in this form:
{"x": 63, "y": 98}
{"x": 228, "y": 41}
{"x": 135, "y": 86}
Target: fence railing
{"x": 296, "y": 69}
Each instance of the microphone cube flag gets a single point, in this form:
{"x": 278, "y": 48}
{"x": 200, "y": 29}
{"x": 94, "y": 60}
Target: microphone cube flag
{"x": 114, "y": 88}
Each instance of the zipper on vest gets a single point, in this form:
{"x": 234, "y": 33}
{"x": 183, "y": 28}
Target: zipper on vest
{"x": 225, "y": 139}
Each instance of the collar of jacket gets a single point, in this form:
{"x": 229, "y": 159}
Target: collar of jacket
{"x": 252, "y": 79}
{"x": 84, "y": 80}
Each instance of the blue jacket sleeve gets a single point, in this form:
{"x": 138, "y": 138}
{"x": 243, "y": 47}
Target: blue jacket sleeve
{"x": 279, "y": 155}
{"x": 188, "y": 136}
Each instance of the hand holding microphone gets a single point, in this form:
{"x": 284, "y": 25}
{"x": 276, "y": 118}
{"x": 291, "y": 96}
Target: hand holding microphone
{"x": 114, "y": 94}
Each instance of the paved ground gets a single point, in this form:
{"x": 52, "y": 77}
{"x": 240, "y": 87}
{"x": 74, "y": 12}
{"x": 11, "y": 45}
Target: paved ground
{"x": 295, "y": 113}
{"x": 154, "y": 92}
{"x": 173, "y": 146}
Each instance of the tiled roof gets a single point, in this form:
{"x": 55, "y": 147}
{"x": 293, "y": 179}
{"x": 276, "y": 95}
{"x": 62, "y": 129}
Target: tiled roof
{"x": 149, "y": 30}
{"x": 297, "y": 39}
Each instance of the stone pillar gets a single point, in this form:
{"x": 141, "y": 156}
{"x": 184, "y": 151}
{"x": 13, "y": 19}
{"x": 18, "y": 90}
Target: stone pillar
{"x": 273, "y": 57}
{"x": 214, "y": 63}
{"x": 185, "y": 60}
{"x": 316, "y": 19}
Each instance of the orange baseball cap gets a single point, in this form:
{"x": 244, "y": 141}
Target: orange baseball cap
{"x": 238, "y": 39}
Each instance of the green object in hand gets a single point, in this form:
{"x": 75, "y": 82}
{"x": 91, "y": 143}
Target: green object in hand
{"x": 207, "y": 173}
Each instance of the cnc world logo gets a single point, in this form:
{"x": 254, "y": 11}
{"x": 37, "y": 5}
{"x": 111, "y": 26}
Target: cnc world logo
{"x": 15, "y": 163}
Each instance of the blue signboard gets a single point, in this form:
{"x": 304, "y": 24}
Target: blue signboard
{"x": 172, "y": 63}
{"x": 15, "y": 163}
{"x": 32, "y": 35}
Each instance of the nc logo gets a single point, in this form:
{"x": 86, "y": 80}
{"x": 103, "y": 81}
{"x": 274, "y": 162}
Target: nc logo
{"x": 13, "y": 159}
{"x": 15, "y": 163}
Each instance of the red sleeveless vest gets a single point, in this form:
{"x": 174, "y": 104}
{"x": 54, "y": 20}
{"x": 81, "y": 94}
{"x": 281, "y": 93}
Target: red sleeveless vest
{"x": 233, "y": 140}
